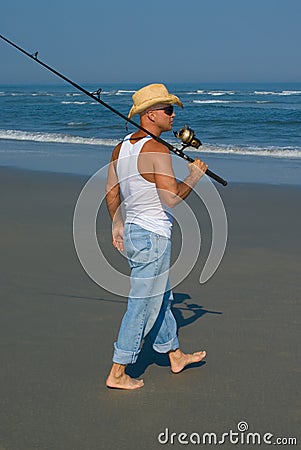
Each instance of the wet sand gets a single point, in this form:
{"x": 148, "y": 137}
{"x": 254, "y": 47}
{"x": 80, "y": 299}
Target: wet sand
{"x": 57, "y": 327}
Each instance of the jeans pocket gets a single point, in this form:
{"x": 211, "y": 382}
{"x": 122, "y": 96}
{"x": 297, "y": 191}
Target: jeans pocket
{"x": 141, "y": 244}
{"x": 138, "y": 249}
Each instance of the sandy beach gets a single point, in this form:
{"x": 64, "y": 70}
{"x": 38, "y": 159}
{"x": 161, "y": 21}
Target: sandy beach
{"x": 58, "y": 327}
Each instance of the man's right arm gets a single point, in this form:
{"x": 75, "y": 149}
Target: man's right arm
{"x": 170, "y": 190}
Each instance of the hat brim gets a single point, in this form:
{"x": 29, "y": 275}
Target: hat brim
{"x": 169, "y": 100}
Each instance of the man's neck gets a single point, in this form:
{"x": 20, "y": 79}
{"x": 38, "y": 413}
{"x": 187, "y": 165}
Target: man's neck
{"x": 151, "y": 128}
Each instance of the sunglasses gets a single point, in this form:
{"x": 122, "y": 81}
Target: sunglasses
{"x": 168, "y": 110}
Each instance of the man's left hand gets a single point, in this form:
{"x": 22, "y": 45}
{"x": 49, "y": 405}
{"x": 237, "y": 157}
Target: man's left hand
{"x": 117, "y": 235}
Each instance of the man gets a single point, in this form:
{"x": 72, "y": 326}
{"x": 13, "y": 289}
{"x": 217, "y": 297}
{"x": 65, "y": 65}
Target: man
{"x": 141, "y": 174}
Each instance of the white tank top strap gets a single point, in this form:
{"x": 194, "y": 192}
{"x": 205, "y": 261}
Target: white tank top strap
{"x": 132, "y": 149}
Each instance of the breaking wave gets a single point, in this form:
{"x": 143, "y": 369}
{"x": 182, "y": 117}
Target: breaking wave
{"x": 54, "y": 138}
{"x": 272, "y": 151}
{"x": 277, "y": 93}
{"x": 269, "y": 151}
{"x": 216, "y": 101}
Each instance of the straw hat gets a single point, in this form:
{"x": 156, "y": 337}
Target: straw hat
{"x": 151, "y": 95}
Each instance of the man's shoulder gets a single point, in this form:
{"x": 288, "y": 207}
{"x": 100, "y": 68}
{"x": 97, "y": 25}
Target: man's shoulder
{"x": 154, "y": 146}
{"x": 116, "y": 151}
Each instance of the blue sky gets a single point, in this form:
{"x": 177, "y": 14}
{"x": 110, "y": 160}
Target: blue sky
{"x": 160, "y": 40}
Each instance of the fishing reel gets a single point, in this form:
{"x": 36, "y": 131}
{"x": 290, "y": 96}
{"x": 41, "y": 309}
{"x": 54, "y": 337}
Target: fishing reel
{"x": 188, "y": 138}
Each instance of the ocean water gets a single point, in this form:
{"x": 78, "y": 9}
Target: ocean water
{"x": 250, "y": 132}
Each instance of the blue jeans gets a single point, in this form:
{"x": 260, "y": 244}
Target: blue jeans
{"x": 150, "y": 297}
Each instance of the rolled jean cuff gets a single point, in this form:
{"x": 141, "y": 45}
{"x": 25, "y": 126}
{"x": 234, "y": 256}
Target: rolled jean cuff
{"x": 167, "y": 347}
{"x": 124, "y": 356}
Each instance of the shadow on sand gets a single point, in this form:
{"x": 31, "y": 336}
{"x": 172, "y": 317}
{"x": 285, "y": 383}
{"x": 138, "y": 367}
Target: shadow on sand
{"x": 185, "y": 314}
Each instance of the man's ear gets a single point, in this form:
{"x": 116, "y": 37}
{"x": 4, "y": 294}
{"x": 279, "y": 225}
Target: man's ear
{"x": 151, "y": 115}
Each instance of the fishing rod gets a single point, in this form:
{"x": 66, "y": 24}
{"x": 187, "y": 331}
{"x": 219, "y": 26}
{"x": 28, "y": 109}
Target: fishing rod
{"x": 186, "y": 134}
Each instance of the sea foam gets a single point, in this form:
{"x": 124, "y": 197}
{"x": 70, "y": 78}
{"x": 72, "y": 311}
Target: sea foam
{"x": 269, "y": 151}
{"x": 18, "y": 135}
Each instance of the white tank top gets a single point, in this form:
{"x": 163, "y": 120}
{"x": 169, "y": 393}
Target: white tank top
{"x": 141, "y": 199}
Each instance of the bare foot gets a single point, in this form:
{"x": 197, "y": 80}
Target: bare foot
{"x": 179, "y": 360}
{"x": 124, "y": 382}
{"x": 118, "y": 379}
